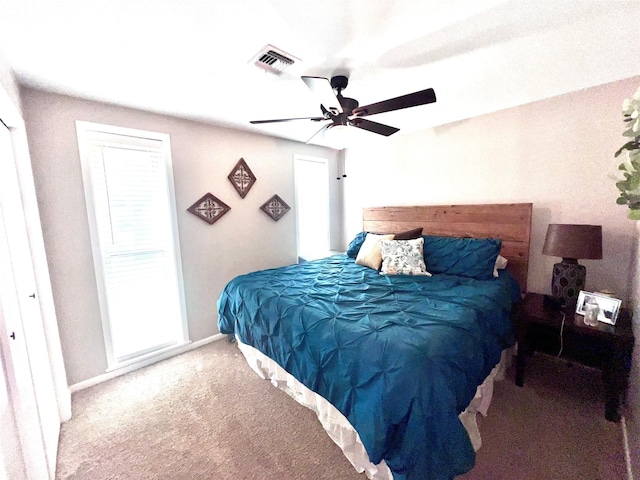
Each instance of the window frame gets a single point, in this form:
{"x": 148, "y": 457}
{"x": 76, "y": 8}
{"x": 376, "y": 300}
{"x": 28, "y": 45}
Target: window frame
{"x": 84, "y": 130}
{"x": 324, "y": 161}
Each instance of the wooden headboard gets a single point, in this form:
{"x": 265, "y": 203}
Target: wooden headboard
{"x": 509, "y": 222}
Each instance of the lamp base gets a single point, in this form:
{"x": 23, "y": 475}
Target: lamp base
{"x": 567, "y": 281}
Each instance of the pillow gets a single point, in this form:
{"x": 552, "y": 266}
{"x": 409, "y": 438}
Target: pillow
{"x": 501, "y": 264}
{"x": 467, "y": 257}
{"x": 358, "y": 240}
{"x": 409, "y": 234}
{"x": 369, "y": 254}
{"x": 356, "y": 243}
{"x": 403, "y": 257}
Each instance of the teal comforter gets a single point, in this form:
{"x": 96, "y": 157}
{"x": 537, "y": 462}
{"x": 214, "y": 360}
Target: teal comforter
{"x": 399, "y": 356}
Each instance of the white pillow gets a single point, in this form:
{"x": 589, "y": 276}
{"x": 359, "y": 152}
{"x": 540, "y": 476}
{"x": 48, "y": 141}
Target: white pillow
{"x": 501, "y": 263}
{"x": 403, "y": 257}
{"x": 369, "y": 254}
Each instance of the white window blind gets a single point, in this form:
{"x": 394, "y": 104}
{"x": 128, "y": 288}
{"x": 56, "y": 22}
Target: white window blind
{"x": 128, "y": 186}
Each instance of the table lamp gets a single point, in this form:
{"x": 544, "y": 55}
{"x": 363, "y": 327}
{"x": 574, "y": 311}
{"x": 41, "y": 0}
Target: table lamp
{"x": 571, "y": 242}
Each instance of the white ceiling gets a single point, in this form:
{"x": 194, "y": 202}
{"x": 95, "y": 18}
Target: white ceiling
{"x": 191, "y": 58}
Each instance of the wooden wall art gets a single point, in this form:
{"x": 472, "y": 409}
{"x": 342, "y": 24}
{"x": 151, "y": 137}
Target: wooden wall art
{"x": 209, "y": 208}
{"x": 275, "y": 207}
{"x": 242, "y": 178}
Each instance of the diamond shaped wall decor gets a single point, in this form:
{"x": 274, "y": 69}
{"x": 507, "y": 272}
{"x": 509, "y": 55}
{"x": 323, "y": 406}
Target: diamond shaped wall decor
{"x": 209, "y": 208}
{"x": 275, "y": 207}
{"x": 242, "y": 178}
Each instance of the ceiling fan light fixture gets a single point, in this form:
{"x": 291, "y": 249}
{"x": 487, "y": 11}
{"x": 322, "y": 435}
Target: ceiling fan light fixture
{"x": 337, "y": 136}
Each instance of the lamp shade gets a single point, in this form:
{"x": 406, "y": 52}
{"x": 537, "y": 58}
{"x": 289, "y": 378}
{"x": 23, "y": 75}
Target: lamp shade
{"x": 573, "y": 241}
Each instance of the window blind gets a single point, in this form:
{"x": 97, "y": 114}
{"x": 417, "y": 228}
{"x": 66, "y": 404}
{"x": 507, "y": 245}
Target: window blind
{"x": 135, "y": 253}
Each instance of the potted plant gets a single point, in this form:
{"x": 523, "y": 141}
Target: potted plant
{"x": 630, "y": 167}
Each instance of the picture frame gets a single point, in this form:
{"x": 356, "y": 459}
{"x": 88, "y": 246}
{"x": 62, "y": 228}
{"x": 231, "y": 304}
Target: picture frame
{"x": 609, "y": 306}
{"x": 242, "y": 178}
{"x": 209, "y": 208}
{"x": 275, "y": 207}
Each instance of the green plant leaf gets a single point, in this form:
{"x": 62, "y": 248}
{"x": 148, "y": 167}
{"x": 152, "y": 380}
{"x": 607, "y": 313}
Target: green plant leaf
{"x": 626, "y": 146}
{"x": 634, "y": 214}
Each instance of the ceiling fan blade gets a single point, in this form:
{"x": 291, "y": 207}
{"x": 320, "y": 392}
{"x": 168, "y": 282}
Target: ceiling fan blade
{"x": 321, "y": 88}
{"x": 313, "y": 119}
{"x": 374, "y": 127}
{"x": 324, "y": 127}
{"x": 405, "y": 101}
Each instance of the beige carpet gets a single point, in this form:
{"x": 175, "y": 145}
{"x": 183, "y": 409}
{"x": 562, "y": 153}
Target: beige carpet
{"x": 206, "y": 415}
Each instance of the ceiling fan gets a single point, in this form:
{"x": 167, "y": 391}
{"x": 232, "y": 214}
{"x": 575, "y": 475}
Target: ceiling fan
{"x": 344, "y": 111}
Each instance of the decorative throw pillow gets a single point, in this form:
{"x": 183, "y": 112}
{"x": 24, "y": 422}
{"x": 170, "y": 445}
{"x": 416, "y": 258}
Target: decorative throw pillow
{"x": 467, "y": 257}
{"x": 403, "y": 257}
{"x": 356, "y": 243}
{"x": 358, "y": 240}
{"x": 501, "y": 264}
{"x": 369, "y": 254}
{"x": 409, "y": 234}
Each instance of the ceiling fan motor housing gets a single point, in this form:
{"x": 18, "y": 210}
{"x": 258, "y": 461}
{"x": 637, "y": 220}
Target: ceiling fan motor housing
{"x": 339, "y": 82}
{"x": 348, "y": 104}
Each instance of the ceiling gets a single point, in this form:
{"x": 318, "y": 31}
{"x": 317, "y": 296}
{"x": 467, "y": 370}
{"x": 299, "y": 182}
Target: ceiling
{"x": 192, "y": 58}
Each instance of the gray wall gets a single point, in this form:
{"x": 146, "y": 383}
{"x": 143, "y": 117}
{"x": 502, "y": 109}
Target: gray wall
{"x": 245, "y": 239}
{"x": 557, "y": 153}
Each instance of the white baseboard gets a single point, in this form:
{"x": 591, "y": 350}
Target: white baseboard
{"x": 627, "y": 451}
{"x": 144, "y": 363}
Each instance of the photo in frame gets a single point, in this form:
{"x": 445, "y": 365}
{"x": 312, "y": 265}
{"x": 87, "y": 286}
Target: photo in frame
{"x": 609, "y": 306}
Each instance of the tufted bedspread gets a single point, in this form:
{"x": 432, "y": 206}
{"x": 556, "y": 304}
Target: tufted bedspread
{"x": 399, "y": 356}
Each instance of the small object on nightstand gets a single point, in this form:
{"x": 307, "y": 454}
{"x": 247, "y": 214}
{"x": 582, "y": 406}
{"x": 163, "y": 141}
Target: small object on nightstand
{"x": 552, "y": 303}
{"x": 591, "y": 310}
{"x": 608, "y": 307}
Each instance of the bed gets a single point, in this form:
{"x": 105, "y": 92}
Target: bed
{"x": 395, "y": 365}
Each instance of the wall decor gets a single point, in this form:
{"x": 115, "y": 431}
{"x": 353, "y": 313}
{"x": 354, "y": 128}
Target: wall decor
{"x": 242, "y": 178}
{"x": 209, "y": 208}
{"x": 275, "y": 207}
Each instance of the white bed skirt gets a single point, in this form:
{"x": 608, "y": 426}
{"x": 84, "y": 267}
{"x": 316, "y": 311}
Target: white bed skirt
{"x": 338, "y": 427}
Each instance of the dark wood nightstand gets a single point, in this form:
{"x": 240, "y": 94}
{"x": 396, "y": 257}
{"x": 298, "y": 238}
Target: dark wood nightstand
{"x": 607, "y": 347}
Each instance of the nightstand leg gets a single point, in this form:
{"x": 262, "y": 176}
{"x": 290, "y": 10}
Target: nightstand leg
{"x": 521, "y": 335}
{"x": 612, "y": 401}
{"x": 616, "y": 377}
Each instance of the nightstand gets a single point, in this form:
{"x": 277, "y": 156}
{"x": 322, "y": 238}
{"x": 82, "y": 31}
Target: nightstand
{"x": 607, "y": 347}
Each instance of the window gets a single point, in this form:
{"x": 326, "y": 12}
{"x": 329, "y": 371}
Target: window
{"x": 128, "y": 186}
{"x": 311, "y": 177}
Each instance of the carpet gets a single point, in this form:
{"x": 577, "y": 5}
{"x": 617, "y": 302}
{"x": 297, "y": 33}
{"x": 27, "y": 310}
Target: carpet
{"x": 206, "y": 415}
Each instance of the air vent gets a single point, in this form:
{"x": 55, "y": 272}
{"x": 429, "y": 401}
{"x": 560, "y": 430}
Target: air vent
{"x": 273, "y": 60}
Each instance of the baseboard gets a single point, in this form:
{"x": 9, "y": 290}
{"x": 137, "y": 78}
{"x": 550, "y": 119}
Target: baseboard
{"x": 627, "y": 451}
{"x": 143, "y": 363}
